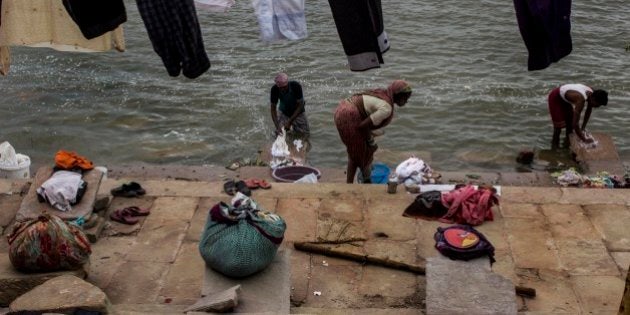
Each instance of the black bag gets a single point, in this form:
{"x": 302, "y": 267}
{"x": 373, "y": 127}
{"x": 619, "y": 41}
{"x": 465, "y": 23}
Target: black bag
{"x": 427, "y": 204}
{"x": 462, "y": 242}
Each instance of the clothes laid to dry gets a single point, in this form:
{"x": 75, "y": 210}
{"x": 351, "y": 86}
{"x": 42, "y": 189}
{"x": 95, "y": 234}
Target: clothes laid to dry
{"x": 280, "y": 19}
{"x": 546, "y": 30}
{"x": 468, "y": 205}
{"x": 96, "y": 17}
{"x": 46, "y": 23}
{"x": 174, "y": 31}
{"x": 361, "y": 30}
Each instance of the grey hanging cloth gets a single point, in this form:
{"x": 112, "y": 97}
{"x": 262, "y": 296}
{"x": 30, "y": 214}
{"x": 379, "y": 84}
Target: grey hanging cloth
{"x": 361, "y": 30}
{"x": 545, "y": 26}
{"x": 96, "y": 17}
{"x": 174, "y": 31}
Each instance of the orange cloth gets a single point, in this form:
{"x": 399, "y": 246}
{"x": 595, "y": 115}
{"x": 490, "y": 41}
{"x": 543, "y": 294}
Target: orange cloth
{"x": 69, "y": 160}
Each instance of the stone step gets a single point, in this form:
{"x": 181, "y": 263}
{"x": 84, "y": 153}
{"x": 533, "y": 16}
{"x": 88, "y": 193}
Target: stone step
{"x": 265, "y": 292}
{"x": 14, "y": 283}
{"x": 604, "y": 157}
{"x": 356, "y": 311}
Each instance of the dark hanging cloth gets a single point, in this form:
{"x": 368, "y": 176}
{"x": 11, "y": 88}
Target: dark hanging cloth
{"x": 176, "y": 36}
{"x": 361, "y": 30}
{"x": 545, "y": 26}
{"x": 96, "y": 17}
{"x": 0, "y": 12}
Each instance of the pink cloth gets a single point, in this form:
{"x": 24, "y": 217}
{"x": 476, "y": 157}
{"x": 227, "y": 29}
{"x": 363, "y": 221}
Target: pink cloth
{"x": 468, "y": 205}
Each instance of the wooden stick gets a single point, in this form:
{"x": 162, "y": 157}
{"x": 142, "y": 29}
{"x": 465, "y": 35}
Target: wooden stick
{"x": 384, "y": 262}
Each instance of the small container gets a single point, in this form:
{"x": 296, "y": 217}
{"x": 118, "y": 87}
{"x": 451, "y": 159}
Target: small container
{"x": 392, "y": 184}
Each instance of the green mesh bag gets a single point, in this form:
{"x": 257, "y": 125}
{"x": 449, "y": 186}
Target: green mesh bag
{"x": 240, "y": 240}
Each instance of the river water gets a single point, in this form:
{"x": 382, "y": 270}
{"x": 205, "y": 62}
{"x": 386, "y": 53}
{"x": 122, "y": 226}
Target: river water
{"x": 474, "y": 106}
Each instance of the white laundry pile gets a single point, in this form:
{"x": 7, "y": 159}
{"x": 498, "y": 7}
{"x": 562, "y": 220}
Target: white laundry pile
{"x": 61, "y": 189}
{"x": 413, "y": 172}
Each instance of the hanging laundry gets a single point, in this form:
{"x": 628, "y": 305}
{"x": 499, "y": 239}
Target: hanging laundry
{"x": 546, "y": 30}
{"x": 96, "y": 17}
{"x": 280, "y": 19}
{"x": 361, "y": 30}
{"x": 46, "y": 23}
{"x": 214, "y": 5}
{"x": 174, "y": 31}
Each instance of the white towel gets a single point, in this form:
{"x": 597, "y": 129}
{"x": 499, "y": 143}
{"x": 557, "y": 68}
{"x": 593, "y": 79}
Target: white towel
{"x": 280, "y": 19}
{"x": 214, "y": 5}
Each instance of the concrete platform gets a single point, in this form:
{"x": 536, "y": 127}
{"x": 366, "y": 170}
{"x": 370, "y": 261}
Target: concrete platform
{"x": 604, "y": 157}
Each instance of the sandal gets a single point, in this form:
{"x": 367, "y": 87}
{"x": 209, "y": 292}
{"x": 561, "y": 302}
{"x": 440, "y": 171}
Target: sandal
{"x": 263, "y": 184}
{"x": 252, "y": 183}
{"x": 137, "y": 212}
{"x": 132, "y": 189}
{"x": 124, "y": 217}
{"x": 230, "y": 187}
{"x": 243, "y": 189}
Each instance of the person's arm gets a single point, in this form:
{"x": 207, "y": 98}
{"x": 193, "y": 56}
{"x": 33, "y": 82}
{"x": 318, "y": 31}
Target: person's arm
{"x": 587, "y": 115}
{"x": 578, "y": 107}
{"x": 297, "y": 112}
{"x": 273, "y": 100}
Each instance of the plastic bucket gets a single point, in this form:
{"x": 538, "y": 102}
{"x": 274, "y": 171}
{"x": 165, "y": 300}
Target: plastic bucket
{"x": 380, "y": 173}
{"x": 289, "y": 174}
{"x": 22, "y": 171}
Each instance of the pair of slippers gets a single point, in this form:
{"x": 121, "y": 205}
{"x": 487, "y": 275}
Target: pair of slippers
{"x": 129, "y": 215}
{"x": 132, "y": 189}
{"x": 231, "y": 187}
{"x": 255, "y": 183}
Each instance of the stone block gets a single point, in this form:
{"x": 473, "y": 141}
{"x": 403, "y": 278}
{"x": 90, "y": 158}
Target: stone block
{"x": 102, "y": 202}
{"x": 535, "y": 195}
{"x": 137, "y": 282}
{"x": 624, "y": 308}
{"x": 611, "y": 221}
{"x": 342, "y": 209}
{"x": 473, "y": 178}
{"x": 519, "y": 210}
{"x": 476, "y": 288}
{"x": 31, "y": 208}
{"x": 554, "y": 292}
{"x": 580, "y": 257}
{"x": 605, "y": 151}
{"x": 107, "y": 256}
{"x": 385, "y": 216}
{"x": 622, "y": 259}
{"x": 266, "y": 291}
{"x": 599, "y": 294}
{"x": 337, "y": 285}
{"x": 531, "y": 243}
{"x": 221, "y": 302}
{"x": 159, "y": 243}
{"x": 93, "y": 233}
{"x": 392, "y": 250}
{"x": 569, "y": 222}
{"x": 15, "y": 283}
{"x": 300, "y": 275}
{"x": 339, "y": 231}
{"x": 185, "y": 277}
{"x": 518, "y": 179}
{"x": 594, "y": 196}
{"x": 301, "y": 218}
{"x": 387, "y": 283}
{"x": 60, "y": 295}
{"x": 9, "y": 206}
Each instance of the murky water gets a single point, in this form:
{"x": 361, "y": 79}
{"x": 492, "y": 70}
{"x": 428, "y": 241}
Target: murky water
{"x": 474, "y": 103}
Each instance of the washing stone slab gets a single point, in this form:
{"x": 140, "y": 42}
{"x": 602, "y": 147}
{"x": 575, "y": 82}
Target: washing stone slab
{"x": 31, "y": 208}
{"x": 467, "y": 287}
{"x": 265, "y": 292}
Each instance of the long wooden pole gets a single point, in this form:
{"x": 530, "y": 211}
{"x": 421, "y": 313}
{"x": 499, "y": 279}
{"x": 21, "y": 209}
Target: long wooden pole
{"x": 384, "y": 262}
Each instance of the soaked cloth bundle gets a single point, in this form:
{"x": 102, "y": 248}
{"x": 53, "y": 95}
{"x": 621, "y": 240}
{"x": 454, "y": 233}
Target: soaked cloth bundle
{"x": 240, "y": 239}
{"x": 47, "y": 244}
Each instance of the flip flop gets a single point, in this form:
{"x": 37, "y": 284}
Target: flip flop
{"x": 243, "y": 189}
{"x": 263, "y": 184}
{"x": 252, "y": 183}
{"x": 230, "y": 187}
{"x": 130, "y": 190}
{"x": 137, "y": 212}
{"x": 123, "y": 217}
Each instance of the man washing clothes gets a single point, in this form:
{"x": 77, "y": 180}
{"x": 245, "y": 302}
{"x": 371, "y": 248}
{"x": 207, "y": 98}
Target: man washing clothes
{"x": 566, "y": 104}
{"x": 290, "y": 113}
